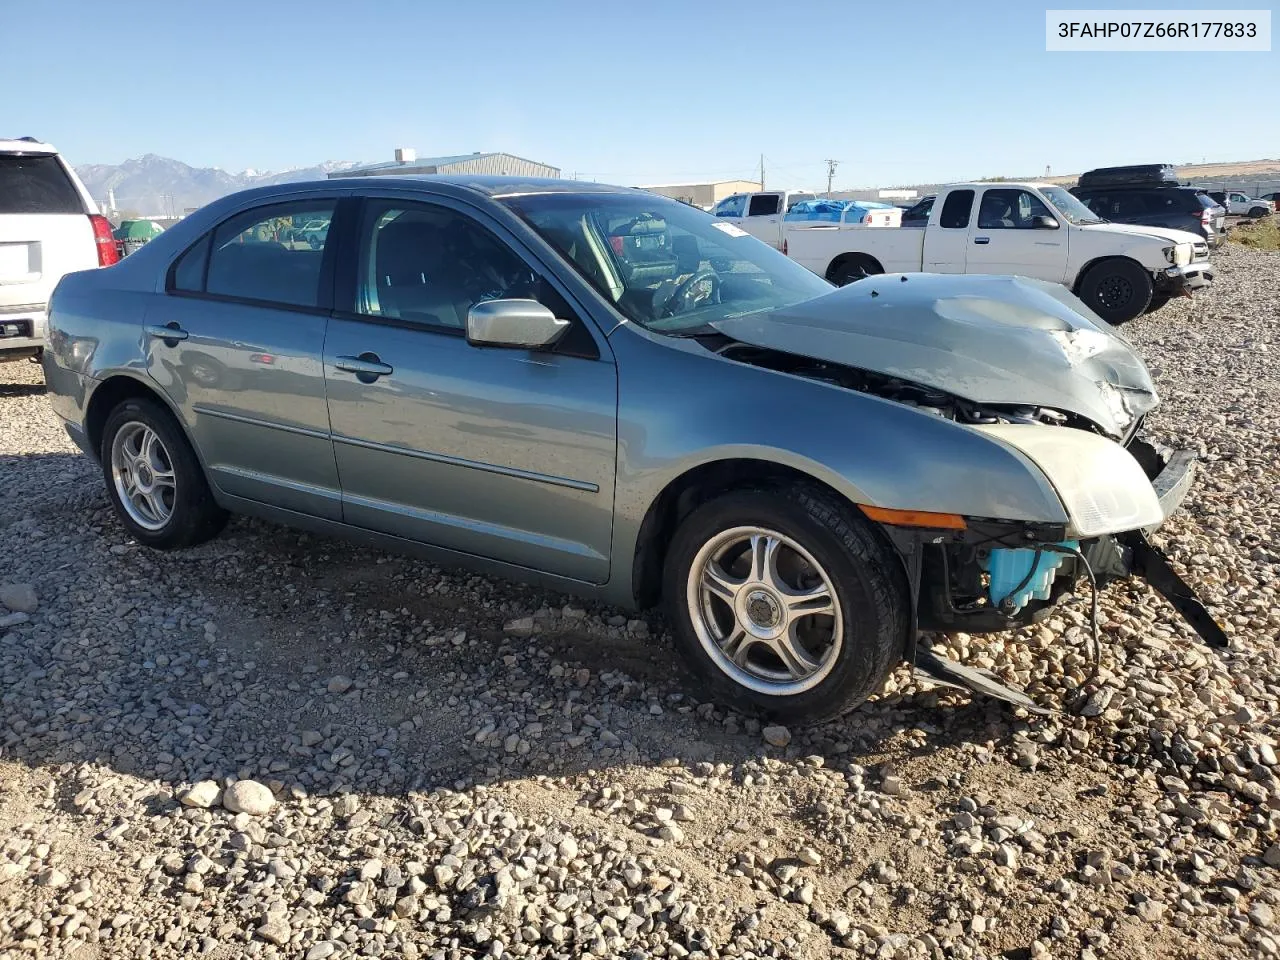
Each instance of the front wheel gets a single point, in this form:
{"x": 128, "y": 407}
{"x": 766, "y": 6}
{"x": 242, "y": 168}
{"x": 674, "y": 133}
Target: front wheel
{"x": 1117, "y": 290}
{"x": 154, "y": 480}
{"x": 786, "y": 602}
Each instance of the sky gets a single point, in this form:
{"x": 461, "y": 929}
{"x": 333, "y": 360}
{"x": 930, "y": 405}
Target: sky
{"x": 625, "y": 92}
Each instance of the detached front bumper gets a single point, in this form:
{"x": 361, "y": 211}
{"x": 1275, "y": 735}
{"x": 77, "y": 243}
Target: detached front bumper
{"x": 1170, "y": 471}
{"x": 1177, "y": 281}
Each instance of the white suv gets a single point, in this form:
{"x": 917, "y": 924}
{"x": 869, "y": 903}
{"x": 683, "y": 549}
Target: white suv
{"x": 49, "y": 226}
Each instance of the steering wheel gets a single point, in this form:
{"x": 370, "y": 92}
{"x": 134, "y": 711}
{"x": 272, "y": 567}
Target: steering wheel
{"x": 681, "y": 299}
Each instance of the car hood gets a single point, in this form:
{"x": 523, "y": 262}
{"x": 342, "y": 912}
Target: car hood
{"x": 986, "y": 339}
{"x": 1138, "y": 230}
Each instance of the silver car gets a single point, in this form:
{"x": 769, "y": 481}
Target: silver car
{"x": 619, "y": 396}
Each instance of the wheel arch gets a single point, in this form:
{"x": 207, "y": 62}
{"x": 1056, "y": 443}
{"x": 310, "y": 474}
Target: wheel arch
{"x": 113, "y": 391}
{"x": 695, "y": 486}
{"x": 850, "y": 257}
{"x": 1105, "y": 258}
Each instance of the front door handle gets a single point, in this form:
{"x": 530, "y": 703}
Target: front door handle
{"x": 981, "y": 240}
{"x": 367, "y": 367}
{"x": 170, "y": 333}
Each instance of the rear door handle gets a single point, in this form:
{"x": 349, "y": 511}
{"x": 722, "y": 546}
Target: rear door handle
{"x": 170, "y": 333}
{"x": 981, "y": 240}
{"x": 367, "y": 367}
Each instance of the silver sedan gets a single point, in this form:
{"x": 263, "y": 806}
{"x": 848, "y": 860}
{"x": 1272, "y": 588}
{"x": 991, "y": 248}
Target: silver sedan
{"x": 621, "y": 397}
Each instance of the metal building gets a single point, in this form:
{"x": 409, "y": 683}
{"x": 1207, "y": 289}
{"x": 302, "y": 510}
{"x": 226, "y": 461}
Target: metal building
{"x": 407, "y": 162}
{"x": 703, "y": 194}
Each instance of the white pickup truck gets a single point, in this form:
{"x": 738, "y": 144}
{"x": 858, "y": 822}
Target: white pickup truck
{"x": 760, "y": 214}
{"x": 1030, "y": 229}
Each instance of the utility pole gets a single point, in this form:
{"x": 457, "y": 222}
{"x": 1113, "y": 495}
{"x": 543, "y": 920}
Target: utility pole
{"x": 831, "y": 173}
{"x": 762, "y": 171}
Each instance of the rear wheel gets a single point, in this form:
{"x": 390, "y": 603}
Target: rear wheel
{"x": 852, "y": 268}
{"x": 1256, "y": 212}
{"x": 154, "y": 480}
{"x": 786, "y": 602}
{"x": 1117, "y": 290}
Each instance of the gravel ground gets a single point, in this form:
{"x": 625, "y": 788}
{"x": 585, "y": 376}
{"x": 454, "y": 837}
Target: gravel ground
{"x": 277, "y": 745}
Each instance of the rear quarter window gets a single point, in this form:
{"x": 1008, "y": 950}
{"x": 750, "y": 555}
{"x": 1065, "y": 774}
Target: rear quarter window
{"x": 36, "y": 183}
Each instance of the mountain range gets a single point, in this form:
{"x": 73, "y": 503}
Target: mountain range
{"x": 152, "y": 186}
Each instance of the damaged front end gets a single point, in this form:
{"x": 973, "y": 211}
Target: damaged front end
{"x": 1030, "y": 368}
{"x": 996, "y": 575}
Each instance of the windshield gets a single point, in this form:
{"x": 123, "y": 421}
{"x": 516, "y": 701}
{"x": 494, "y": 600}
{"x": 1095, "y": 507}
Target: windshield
{"x": 1069, "y": 206}
{"x": 665, "y": 265}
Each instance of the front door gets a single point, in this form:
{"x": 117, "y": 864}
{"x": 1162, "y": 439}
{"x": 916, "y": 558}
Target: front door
{"x": 1007, "y": 238}
{"x": 237, "y": 344}
{"x": 498, "y": 453}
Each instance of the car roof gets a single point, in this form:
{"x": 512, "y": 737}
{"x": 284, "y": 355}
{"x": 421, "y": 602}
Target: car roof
{"x": 491, "y": 186}
{"x": 26, "y": 145}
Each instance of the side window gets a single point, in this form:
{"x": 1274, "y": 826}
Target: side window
{"x": 188, "y": 272}
{"x": 429, "y": 265}
{"x": 731, "y": 206}
{"x": 956, "y": 209}
{"x": 764, "y": 205}
{"x": 1009, "y": 209}
{"x": 1130, "y": 205}
{"x": 271, "y": 254}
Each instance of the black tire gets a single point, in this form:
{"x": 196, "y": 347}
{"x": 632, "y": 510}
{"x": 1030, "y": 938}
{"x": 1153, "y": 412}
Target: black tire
{"x": 1258, "y": 212}
{"x": 1158, "y": 300}
{"x": 866, "y": 576}
{"x": 853, "y": 268}
{"x": 195, "y": 516}
{"x": 1117, "y": 290}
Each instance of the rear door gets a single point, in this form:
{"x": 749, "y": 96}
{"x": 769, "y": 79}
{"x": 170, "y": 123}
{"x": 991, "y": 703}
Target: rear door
{"x": 946, "y": 239}
{"x": 237, "y": 341}
{"x": 44, "y": 229}
{"x": 764, "y": 218}
{"x": 1005, "y": 239}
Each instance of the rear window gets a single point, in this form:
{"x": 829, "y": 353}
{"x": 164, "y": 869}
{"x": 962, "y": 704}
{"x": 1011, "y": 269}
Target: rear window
{"x": 955, "y": 210}
{"x": 36, "y": 183}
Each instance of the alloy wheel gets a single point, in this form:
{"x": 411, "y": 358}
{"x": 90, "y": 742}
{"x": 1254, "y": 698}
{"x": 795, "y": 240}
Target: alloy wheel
{"x": 765, "y": 610}
{"x": 143, "y": 474}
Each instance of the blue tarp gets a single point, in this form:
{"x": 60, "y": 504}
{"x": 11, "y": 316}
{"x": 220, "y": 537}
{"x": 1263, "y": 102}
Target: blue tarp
{"x": 831, "y": 211}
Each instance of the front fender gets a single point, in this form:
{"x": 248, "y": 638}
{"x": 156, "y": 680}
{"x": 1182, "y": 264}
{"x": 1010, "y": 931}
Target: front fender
{"x": 681, "y": 406}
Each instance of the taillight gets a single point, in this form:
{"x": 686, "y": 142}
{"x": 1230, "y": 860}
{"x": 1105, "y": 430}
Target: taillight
{"x": 106, "y": 243}
{"x": 616, "y": 243}
{"x": 784, "y": 246}
{"x": 1206, "y": 217}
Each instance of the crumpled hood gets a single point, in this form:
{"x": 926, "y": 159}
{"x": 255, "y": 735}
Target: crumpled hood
{"x": 987, "y": 339}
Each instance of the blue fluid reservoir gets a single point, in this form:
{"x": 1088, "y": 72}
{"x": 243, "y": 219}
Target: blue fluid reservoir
{"x": 1009, "y": 568}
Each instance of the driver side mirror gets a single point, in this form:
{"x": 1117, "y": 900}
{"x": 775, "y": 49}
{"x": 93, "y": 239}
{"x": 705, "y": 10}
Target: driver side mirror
{"x": 518, "y": 324}
{"x": 1044, "y": 223}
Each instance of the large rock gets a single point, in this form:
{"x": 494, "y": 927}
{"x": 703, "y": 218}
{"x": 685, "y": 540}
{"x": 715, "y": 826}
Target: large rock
{"x": 777, "y": 736}
{"x": 203, "y": 795}
{"x": 248, "y": 796}
{"x": 19, "y": 597}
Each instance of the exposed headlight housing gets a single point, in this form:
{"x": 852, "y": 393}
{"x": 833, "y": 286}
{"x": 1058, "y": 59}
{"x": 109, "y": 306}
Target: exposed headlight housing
{"x": 1099, "y": 482}
{"x": 1169, "y": 254}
